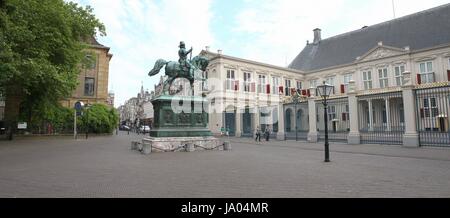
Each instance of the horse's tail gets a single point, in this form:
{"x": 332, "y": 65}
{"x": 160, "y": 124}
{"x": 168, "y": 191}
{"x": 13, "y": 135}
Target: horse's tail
{"x": 158, "y": 65}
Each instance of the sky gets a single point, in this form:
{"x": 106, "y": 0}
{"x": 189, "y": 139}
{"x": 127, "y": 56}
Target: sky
{"x": 270, "y": 31}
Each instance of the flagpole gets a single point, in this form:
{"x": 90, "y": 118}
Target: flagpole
{"x": 393, "y": 8}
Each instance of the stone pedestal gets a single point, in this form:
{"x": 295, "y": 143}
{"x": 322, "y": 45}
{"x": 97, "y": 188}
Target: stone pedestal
{"x": 177, "y": 144}
{"x": 354, "y": 138}
{"x": 313, "y": 137}
{"x": 180, "y": 116}
{"x": 411, "y": 140}
{"x": 281, "y": 136}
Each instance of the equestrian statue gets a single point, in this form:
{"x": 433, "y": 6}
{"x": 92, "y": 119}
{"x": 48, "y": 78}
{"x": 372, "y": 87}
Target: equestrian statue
{"x": 184, "y": 68}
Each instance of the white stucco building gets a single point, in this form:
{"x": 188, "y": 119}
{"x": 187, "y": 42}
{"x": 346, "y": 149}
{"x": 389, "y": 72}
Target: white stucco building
{"x": 391, "y": 86}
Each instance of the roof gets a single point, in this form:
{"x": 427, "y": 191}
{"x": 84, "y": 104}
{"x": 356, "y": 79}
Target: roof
{"x": 214, "y": 56}
{"x": 94, "y": 43}
{"x": 425, "y": 29}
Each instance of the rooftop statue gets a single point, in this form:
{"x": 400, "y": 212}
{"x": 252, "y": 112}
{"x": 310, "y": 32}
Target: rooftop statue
{"x": 184, "y": 68}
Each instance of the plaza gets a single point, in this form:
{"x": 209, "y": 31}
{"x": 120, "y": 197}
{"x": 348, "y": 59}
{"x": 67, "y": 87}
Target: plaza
{"x": 104, "y": 166}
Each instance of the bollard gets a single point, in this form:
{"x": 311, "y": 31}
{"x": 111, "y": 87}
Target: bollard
{"x": 226, "y": 146}
{"x": 189, "y": 147}
{"x": 146, "y": 148}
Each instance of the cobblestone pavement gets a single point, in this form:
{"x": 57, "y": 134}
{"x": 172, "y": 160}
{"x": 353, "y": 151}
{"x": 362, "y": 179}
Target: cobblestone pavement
{"x": 106, "y": 167}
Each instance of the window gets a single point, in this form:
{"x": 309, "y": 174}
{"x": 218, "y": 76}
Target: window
{"x": 367, "y": 79}
{"x": 313, "y": 83}
{"x": 331, "y": 110}
{"x": 90, "y": 62}
{"x": 299, "y": 85}
{"x": 426, "y": 72}
{"x": 275, "y": 85}
{"x": 429, "y": 108}
{"x": 330, "y": 80}
{"x": 287, "y": 89}
{"x": 261, "y": 84}
{"x": 347, "y": 79}
{"x": 230, "y": 80}
{"x": 346, "y": 113}
{"x": 204, "y": 84}
{"x": 383, "y": 77}
{"x": 398, "y": 74}
{"x": 247, "y": 81}
{"x": 89, "y": 86}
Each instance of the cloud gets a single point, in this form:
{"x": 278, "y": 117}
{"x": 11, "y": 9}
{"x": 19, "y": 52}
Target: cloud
{"x": 139, "y": 32}
{"x": 274, "y": 31}
{"x": 280, "y": 28}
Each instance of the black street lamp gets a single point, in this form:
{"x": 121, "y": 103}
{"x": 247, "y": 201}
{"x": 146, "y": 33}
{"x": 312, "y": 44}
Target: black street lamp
{"x": 325, "y": 91}
{"x": 87, "y": 106}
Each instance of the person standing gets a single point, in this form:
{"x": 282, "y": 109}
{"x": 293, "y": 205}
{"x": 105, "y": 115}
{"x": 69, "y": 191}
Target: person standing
{"x": 267, "y": 133}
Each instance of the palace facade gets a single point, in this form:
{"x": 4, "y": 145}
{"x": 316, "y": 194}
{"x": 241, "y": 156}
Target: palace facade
{"x": 391, "y": 85}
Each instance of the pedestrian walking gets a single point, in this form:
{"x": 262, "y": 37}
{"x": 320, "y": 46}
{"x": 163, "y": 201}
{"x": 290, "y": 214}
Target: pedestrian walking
{"x": 258, "y": 134}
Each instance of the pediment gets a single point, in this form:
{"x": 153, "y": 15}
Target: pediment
{"x": 381, "y": 51}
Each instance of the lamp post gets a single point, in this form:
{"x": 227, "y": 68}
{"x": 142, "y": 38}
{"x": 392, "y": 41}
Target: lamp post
{"x": 325, "y": 91}
{"x": 87, "y": 106}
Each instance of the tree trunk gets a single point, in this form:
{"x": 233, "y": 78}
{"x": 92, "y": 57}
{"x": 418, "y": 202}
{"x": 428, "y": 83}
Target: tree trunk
{"x": 13, "y": 99}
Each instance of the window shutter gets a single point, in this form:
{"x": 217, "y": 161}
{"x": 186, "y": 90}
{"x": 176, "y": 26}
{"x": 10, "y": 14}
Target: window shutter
{"x": 344, "y": 117}
{"x": 422, "y": 113}
{"x": 419, "y": 79}
{"x": 252, "y": 88}
{"x": 304, "y": 92}
{"x": 280, "y": 90}
{"x": 268, "y": 88}
{"x": 342, "y": 88}
{"x": 293, "y": 91}
{"x": 448, "y": 75}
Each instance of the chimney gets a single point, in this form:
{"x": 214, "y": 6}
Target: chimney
{"x": 317, "y": 35}
{"x": 207, "y": 48}
{"x": 219, "y": 51}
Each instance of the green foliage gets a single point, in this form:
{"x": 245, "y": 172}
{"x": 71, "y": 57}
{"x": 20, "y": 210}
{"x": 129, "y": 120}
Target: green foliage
{"x": 102, "y": 119}
{"x": 59, "y": 118}
{"x": 41, "y": 49}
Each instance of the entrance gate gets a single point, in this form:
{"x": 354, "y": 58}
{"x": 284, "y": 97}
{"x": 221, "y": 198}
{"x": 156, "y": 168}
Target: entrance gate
{"x": 247, "y": 123}
{"x": 230, "y": 123}
{"x": 432, "y": 111}
{"x": 338, "y": 119}
{"x": 381, "y": 118}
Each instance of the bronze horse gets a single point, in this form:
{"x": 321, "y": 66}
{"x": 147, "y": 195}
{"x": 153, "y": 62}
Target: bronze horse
{"x": 173, "y": 70}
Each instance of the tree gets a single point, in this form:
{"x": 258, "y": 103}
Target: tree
{"x": 41, "y": 49}
{"x": 102, "y": 119}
